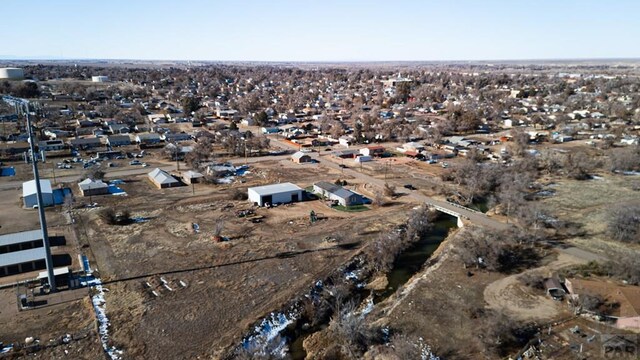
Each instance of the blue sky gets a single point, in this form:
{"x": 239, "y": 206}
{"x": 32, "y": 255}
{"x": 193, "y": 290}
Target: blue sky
{"x": 327, "y": 30}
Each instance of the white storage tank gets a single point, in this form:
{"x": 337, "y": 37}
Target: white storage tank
{"x": 11, "y": 73}
{"x": 100, "y": 78}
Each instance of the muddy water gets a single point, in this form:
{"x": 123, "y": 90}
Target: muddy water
{"x": 406, "y": 265}
{"x": 411, "y": 260}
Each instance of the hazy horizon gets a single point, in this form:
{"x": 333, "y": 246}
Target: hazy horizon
{"x": 331, "y": 31}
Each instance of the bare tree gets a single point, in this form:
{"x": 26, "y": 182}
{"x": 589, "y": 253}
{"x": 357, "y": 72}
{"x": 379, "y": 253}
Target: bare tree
{"x": 389, "y": 190}
{"x": 218, "y": 228}
{"x": 624, "y": 223}
{"x": 95, "y": 173}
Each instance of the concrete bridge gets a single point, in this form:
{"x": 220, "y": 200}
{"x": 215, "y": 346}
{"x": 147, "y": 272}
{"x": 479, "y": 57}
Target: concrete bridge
{"x": 464, "y": 214}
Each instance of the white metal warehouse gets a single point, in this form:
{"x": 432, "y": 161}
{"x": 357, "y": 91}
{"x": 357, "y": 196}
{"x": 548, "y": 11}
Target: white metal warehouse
{"x": 275, "y": 194}
{"x": 30, "y": 196}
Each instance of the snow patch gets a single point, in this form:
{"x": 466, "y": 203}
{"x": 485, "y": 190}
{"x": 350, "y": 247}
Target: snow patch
{"x": 232, "y": 173}
{"x": 99, "y": 306}
{"x": 262, "y": 341}
{"x": 5, "y": 349}
{"x": 368, "y": 307}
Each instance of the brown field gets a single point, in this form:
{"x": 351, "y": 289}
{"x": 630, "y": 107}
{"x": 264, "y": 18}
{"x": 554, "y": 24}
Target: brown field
{"x": 225, "y": 286}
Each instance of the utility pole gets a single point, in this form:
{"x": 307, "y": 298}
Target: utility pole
{"x": 245, "y": 153}
{"x": 43, "y": 221}
{"x": 177, "y": 162}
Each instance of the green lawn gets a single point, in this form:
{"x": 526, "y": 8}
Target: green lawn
{"x": 353, "y": 208}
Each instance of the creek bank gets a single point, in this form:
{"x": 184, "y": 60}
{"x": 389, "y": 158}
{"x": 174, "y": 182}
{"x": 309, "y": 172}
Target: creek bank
{"x": 285, "y": 333}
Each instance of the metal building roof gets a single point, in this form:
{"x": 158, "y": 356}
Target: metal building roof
{"x": 88, "y": 184}
{"x": 275, "y": 189}
{"x": 24, "y": 256}
{"x": 162, "y": 177}
{"x": 20, "y": 237}
{"x": 299, "y": 155}
{"x": 29, "y": 187}
{"x": 192, "y": 174}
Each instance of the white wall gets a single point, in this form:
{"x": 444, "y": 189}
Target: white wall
{"x": 282, "y": 197}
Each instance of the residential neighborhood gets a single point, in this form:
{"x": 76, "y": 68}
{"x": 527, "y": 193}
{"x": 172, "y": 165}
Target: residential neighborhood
{"x": 230, "y": 186}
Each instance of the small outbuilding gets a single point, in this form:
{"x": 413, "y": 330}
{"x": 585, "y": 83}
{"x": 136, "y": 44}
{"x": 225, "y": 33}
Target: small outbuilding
{"x": 376, "y": 150}
{"x": 300, "y": 157}
{"x": 362, "y": 158}
{"x": 90, "y": 187}
{"x": 192, "y": 177}
{"x": 30, "y": 195}
{"x": 554, "y": 288}
{"x": 162, "y": 179}
{"x": 275, "y": 194}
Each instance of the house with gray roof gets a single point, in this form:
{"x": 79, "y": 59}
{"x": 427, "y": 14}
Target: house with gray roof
{"x": 119, "y": 140}
{"x": 90, "y": 187}
{"x": 86, "y": 143}
{"x": 337, "y": 193}
{"x": 300, "y": 157}
{"x": 162, "y": 179}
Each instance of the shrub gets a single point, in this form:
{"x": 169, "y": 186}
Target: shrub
{"x": 238, "y": 194}
{"x": 624, "y": 223}
{"x": 533, "y": 280}
{"x": 111, "y": 217}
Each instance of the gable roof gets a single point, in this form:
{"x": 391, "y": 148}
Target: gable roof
{"x": 29, "y": 187}
{"x": 88, "y": 184}
{"x": 148, "y": 136}
{"x": 299, "y": 155}
{"x": 85, "y": 141}
{"x": 334, "y": 189}
{"x": 275, "y": 188}
{"x": 162, "y": 177}
{"x": 20, "y": 237}
{"x": 191, "y": 174}
{"x": 119, "y": 138}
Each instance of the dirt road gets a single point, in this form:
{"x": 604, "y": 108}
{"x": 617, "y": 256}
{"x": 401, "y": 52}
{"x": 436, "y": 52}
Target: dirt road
{"x": 511, "y": 297}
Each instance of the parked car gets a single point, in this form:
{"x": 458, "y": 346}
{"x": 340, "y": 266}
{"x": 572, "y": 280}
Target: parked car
{"x": 134, "y": 162}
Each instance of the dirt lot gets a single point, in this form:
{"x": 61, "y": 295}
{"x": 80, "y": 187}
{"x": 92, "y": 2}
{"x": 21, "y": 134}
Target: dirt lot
{"x": 217, "y": 289}
{"x": 511, "y": 297}
{"x": 72, "y": 313}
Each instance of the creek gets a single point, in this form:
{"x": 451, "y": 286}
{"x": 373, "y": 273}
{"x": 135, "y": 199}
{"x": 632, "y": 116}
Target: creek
{"x": 406, "y": 265}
